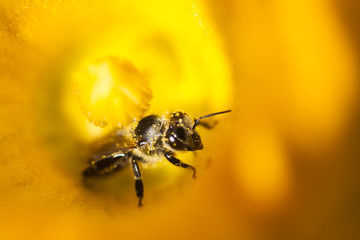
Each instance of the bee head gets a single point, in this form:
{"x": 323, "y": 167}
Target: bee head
{"x": 182, "y": 135}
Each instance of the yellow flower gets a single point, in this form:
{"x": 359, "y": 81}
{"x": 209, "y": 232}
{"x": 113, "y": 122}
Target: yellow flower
{"x": 276, "y": 167}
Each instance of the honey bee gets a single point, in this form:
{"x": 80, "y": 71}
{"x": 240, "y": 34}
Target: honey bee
{"x": 149, "y": 141}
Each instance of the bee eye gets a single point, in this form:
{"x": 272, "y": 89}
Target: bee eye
{"x": 180, "y": 133}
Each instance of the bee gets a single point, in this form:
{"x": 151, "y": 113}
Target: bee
{"x": 150, "y": 140}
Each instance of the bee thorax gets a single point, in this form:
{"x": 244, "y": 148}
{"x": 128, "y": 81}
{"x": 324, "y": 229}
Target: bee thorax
{"x": 148, "y": 136}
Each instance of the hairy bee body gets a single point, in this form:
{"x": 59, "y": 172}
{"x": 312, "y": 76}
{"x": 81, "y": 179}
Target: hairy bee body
{"x": 151, "y": 140}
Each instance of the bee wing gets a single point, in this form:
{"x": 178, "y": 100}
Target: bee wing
{"x": 116, "y": 141}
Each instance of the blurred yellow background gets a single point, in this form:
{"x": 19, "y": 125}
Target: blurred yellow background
{"x": 282, "y": 165}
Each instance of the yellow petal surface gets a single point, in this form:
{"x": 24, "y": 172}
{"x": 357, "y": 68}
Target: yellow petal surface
{"x": 111, "y": 91}
{"x": 282, "y": 165}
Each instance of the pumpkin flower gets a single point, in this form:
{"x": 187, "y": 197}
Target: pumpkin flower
{"x": 280, "y": 165}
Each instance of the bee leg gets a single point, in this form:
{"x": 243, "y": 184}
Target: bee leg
{"x": 139, "y": 187}
{"x": 208, "y": 125}
{"x": 179, "y": 163}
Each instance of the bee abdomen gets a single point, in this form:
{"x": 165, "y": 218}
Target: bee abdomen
{"x": 106, "y": 165}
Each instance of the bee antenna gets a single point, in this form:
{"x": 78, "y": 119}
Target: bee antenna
{"x": 209, "y": 115}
